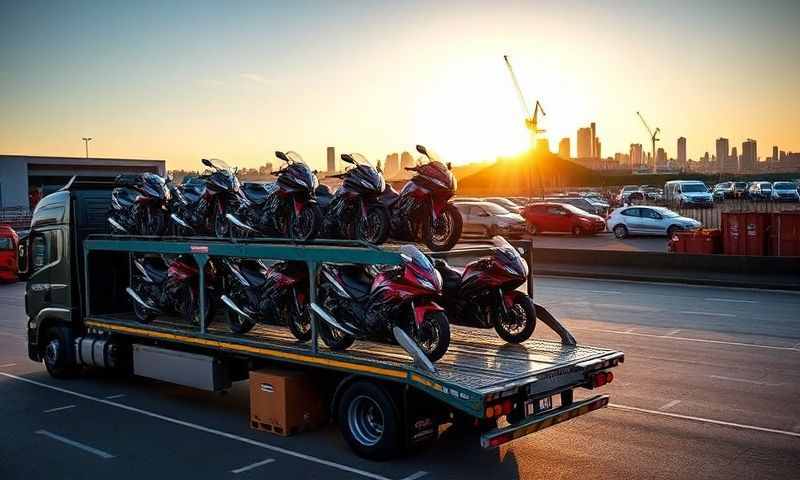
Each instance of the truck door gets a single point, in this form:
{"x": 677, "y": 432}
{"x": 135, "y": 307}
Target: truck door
{"x": 44, "y": 257}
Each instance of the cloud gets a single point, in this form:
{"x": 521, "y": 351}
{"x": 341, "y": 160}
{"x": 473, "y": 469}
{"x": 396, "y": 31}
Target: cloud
{"x": 254, "y": 77}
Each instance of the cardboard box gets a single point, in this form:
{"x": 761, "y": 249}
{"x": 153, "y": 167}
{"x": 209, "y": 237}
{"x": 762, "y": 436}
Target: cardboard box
{"x": 285, "y": 402}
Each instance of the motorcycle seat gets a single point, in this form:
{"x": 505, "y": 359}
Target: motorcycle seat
{"x": 324, "y": 195}
{"x": 255, "y": 192}
{"x": 155, "y": 268}
{"x": 193, "y": 191}
{"x": 451, "y": 276}
{"x": 356, "y": 281}
{"x": 389, "y": 195}
{"x": 253, "y": 273}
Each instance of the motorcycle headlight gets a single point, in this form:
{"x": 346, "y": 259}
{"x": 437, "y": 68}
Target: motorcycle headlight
{"x": 426, "y": 284}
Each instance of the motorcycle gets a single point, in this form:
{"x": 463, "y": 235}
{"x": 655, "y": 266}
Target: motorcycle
{"x": 287, "y": 207}
{"x": 201, "y": 204}
{"x": 276, "y": 294}
{"x": 484, "y": 294}
{"x": 353, "y": 211}
{"x": 138, "y": 205}
{"x": 421, "y": 211}
{"x": 369, "y": 308}
{"x": 169, "y": 286}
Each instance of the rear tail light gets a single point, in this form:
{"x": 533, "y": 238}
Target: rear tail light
{"x": 601, "y": 378}
{"x": 499, "y": 409}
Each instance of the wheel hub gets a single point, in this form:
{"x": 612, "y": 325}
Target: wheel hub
{"x": 51, "y": 351}
{"x": 365, "y": 420}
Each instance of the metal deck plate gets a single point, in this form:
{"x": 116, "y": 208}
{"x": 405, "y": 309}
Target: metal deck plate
{"x": 477, "y": 359}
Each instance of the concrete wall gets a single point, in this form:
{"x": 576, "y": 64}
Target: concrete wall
{"x": 13, "y": 181}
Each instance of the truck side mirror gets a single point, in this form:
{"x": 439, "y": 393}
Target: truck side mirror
{"x": 22, "y": 257}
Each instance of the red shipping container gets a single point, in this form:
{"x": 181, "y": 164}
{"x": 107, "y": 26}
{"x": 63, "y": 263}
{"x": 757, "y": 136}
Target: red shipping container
{"x": 705, "y": 242}
{"x": 733, "y": 233}
{"x": 756, "y": 233}
{"x": 784, "y": 234}
{"x": 745, "y": 233}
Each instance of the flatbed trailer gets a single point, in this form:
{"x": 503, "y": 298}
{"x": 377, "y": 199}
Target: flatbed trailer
{"x": 502, "y": 390}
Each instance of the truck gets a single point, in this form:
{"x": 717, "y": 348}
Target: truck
{"x": 387, "y": 399}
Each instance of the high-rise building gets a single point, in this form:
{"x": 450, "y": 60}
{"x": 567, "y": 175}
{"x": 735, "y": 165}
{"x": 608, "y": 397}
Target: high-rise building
{"x": 733, "y": 161}
{"x": 661, "y": 157}
{"x": 331, "y": 154}
{"x": 722, "y": 154}
{"x": 749, "y": 156}
{"x": 682, "y": 151}
{"x": 392, "y": 164}
{"x": 637, "y": 160}
{"x": 774, "y": 161}
{"x": 584, "y": 143}
{"x": 406, "y": 160}
{"x": 622, "y": 160}
{"x": 564, "y": 148}
{"x": 594, "y": 153}
{"x": 597, "y": 149}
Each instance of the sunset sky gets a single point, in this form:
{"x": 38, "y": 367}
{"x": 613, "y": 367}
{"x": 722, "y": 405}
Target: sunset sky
{"x": 238, "y": 80}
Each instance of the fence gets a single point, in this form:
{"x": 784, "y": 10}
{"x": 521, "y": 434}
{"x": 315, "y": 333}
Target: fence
{"x": 19, "y": 218}
{"x": 712, "y": 217}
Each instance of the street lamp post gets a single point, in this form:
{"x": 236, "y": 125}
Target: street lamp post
{"x": 86, "y": 142}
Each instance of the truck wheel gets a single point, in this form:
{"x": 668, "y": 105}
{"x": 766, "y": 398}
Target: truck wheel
{"x": 370, "y": 422}
{"x": 58, "y": 355}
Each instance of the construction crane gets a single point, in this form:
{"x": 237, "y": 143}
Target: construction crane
{"x": 653, "y": 139}
{"x": 531, "y": 121}
{"x": 532, "y": 124}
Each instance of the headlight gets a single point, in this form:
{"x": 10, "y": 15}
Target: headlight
{"x": 426, "y": 284}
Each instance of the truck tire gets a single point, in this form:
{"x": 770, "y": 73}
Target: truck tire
{"x": 370, "y": 421}
{"x": 58, "y": 354}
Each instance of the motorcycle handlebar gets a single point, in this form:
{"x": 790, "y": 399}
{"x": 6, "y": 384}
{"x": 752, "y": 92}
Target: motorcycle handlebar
{"x": 411, "y": 169}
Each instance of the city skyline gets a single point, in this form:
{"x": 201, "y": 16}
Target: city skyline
{"x": 162, "y": 81}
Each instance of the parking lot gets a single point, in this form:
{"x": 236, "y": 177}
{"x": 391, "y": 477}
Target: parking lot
{"x": 706, "y": 391}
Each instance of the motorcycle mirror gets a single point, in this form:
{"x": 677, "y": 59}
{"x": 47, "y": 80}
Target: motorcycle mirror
{"x": 348, "y": 158}
{"x": 282, "y": 156}
{"x": 316, "y": 172}
{"x": 449, "y": 166}
{"x": 421, "y": 149}
{"x": 207, "y": 163}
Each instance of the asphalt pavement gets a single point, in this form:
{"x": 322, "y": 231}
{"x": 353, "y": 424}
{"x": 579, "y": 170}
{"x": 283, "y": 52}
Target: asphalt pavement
{"x": 600, "y": 241}
{"x": 709, "y": 389}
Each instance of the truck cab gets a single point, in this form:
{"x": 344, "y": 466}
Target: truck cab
{"x": 54, "y": 266}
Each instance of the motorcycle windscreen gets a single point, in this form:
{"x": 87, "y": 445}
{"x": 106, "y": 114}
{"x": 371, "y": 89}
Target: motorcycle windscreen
{"x": 421, "y": 267}
{"x": 509, "y": 257}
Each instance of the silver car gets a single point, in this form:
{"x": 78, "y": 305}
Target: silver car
{"x": 642, "y": 220}
{"x": 488, "y": 219}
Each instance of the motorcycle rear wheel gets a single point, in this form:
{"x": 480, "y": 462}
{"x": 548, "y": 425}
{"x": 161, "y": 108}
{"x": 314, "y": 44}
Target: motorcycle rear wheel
{"x": 433, "y": 335}
{"x": 443, "y": 234}
{"x": 334, "y": 339}
{"x": 375, "y": 227}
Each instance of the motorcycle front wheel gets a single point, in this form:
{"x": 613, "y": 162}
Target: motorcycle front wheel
{"x": 335, "y": 339}
{"x": 517, "y": 323}
{"x": 443, "y": 233}
{"x": 151, "y": 222}
{"x": 433, "y": 335}
{"x": 300, "y": 323}
{"x": 190, "y": 307}
{"x": 305, "y": 226}
{"x": 374, "y": 228}
{"x": 143, "y": 315}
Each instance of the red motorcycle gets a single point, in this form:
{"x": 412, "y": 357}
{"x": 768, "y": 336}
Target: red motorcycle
{"x": 169, "y": 286}
{"x": 485, "y": 295}
{"x": 422, "y": 211}
{"x": 401, "y": 296}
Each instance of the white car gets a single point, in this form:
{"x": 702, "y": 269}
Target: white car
{"x": 785, "y": 192}
{"x": 642, "y": 220}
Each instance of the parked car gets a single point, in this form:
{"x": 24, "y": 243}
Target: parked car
{"x": 629, "y": 194}
{"x": 785, "y": 192}
{"x": 582, "y": 203}
{"x": 687, "y": 193}
{"x": 653, "y": 194}
{"x": 645, "y": 220}
{"x": 739, "y": 189}
{"x": 595, "y": 198}
{"x": 561, "y": 218}
{"x": 8, "y": 254}
{"x": 759, "y": 191}
{"x": 722, "y": 191}
{"x": 489, "y": 219}
{"x": 505, "y": 203}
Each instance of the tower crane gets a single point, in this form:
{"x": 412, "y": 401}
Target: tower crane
{"x": 531, "y": 121}
{"x": 653, "y": 139}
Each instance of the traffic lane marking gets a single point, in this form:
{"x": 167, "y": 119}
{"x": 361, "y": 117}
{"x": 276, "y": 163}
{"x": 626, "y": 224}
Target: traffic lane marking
{"x": 744, "y": 380}
{"x": 685, "y": 339}
{"x": 112, "y": 397}
{"x": 76, "y": 444}
{"x": 8, "y": 365}
{"x": 415, "y": 476}
{"x": 708, "y": 314}
{"x": 669, "y": 405}
{"x": 704, "y": 420}
{"x": 202, "y": 428}
{"x": 729, "y": 300}
{"x": 58, "y": 409}
{"x": 252, "y": 466}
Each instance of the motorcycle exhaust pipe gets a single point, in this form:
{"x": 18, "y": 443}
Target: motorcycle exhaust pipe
{"x": 227, "y": 301}
{"x": 328, "y": 318}
{"x": 136, "y": 298}
{"x": 180, "y": 222}
{"x": 239, "y": 223}
{"x": 410, "y": 346}
{"x": 116, "y": 225}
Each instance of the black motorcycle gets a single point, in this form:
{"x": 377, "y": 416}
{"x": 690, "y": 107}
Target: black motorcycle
{"x": 369, "y": 308}
{"x": 354, "y": 211}
{"x": 276, "y": 294}
{"x": 200, "y": 205}
{"x": 163, "y": 285}
{"x": 421, "y": 212}
{"x": 139, "y": 205}
{"x": 287, "y": 207}
{"x": 484, "y": 294}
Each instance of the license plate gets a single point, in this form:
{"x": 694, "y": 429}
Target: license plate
{"x": 540, "y": 405}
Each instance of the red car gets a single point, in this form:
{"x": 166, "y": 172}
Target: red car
{"x": 8, "y": 254}
{"x": 561, "y": 218}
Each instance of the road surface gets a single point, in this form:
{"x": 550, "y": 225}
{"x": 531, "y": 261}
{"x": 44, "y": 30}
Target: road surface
{"x": 709, "y": 389}
{"x": 601, "y": 241}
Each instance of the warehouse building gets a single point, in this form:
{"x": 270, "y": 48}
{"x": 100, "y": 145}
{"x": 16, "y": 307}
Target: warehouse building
{"x": 24, "y": 179}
